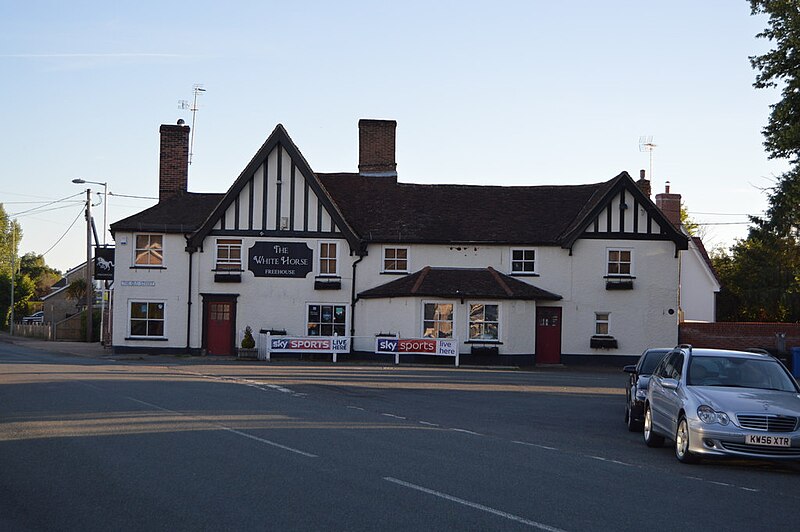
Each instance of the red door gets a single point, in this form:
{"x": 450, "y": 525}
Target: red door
{"x": 548, "y": 335}
{"x": 219, "y": 327}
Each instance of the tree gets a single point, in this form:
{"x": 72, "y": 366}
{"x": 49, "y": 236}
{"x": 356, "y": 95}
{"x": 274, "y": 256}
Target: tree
{"x": 10, "y": 235}
{"x": 692, "y": 227}
{"x": 76, "y": 290}
{"x": 43, "y": 276}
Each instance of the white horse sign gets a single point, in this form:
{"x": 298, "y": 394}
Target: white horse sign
{"x": 104, "y": 264}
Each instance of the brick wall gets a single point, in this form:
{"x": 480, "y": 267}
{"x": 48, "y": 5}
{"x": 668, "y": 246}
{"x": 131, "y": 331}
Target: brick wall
{"x": 376, "y": 140}
{"x": 739, "y": 335}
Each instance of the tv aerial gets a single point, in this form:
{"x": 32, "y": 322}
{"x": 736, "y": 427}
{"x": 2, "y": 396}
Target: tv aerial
{"x": 197, "y": 89}
{"x": 646, "y": 145}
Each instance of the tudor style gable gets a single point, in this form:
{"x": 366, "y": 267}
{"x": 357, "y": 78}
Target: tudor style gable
{"x": 621, "y": 211}
{"x": 277, "y": 195}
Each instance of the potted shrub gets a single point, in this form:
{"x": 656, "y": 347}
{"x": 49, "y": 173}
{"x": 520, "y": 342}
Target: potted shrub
{"x": 248, "y": 349}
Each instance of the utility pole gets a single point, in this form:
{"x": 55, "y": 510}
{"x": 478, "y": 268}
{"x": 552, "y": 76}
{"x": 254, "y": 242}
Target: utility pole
{"x": 89, "y": 280}
{"x": 13, "y": 268}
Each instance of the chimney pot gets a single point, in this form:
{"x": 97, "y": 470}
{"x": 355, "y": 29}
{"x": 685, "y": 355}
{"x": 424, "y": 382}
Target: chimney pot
{"x": 641, "y": 174}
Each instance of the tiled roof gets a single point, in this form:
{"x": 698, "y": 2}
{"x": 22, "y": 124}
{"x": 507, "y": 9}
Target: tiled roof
{"x": 459, "y": 283}
{"x": 182, "y": 213}
{"x": 382, "y": 210}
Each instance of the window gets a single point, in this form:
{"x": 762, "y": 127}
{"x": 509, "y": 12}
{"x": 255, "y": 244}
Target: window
{"x": 327, "y": 320}
{"x": 327, "y": 258}
{"x": 229, "y": 254}
{"x": 523, "y": 261}
{"x": 438, "y": 320}
{"x": 149, "y": 250}
{"x": 395, "y": 260}
{"x": 147, "y": 318}
{"x": 483, "y": 321}
{"x": 619, "y": 262}
{"x": 601, "y": 323}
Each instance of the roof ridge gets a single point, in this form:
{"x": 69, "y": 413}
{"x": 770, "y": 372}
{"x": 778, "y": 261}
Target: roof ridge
{"x": 422, "y": 274}
{"x": 500, "y": 281}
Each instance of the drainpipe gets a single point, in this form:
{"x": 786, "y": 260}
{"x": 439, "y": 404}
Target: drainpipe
{"x": 191, "y": 251}
{"x": 354, "y": 300}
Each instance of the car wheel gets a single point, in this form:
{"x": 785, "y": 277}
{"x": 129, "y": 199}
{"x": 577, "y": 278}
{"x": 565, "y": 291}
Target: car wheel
{"x": 682, "y": 452}
{"x": 651, "y": 438}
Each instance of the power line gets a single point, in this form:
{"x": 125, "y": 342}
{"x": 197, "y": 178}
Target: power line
{"x": 65, "y": 233}
{"x": 46, "y": 205}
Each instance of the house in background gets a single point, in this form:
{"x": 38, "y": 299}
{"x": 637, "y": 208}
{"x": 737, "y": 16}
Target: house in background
{"x": 57, "y": 306}
{"x": 522, "y": 275}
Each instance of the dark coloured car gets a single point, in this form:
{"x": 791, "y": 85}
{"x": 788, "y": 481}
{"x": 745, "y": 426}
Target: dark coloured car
{"x": 36, "y": 317}
{"x": 636, "y": 391}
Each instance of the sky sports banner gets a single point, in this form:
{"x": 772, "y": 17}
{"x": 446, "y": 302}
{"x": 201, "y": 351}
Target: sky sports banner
{"x": 445, "y": 347}
{"x": 307, "y": 344}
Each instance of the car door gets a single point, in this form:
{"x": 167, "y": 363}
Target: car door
{"x": 673, "y": 398}
{"x": 659, "y": 395}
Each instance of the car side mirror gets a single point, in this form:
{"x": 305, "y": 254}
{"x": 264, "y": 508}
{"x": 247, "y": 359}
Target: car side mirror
{"x": 629, "y": 369}
{"x": 669, "y": 384}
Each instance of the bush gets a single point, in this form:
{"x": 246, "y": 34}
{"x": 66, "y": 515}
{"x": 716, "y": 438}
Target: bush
{"x": 248, "y": 342}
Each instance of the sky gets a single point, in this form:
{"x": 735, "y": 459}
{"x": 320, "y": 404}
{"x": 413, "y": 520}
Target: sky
{"x": 489, "y": 93}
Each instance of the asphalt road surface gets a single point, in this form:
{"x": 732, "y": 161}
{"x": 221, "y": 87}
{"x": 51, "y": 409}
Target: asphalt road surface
{"x": 194, "y": 444}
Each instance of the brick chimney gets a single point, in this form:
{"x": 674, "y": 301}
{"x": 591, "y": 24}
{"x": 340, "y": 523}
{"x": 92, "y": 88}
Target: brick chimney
{"x": 376, "y": 148}
{"x": 644, "y": 184}
{"x": 670, "y": 205}
{"x": 173, "y": 170}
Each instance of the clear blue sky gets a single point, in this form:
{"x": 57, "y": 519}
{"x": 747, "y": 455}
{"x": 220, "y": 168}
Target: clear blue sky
{"x": 507, "y": 92}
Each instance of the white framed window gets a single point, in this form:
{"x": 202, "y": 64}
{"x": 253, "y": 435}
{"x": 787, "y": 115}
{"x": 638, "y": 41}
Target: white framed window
{"x": 149, "y": 250}
{"x": 229, "y": 254}
{"x": 395, "y": 259}
{"x": 523, "y": 261}
{"x": 602, "y": 323}
{"x": 620, "y": 262}
{"x": 437, "y": 320}
{"x": 146, "y": 319}
{"x": 328, "y": 258}
{"x": 484, "y": 321}
{"x": 325, "y": 319}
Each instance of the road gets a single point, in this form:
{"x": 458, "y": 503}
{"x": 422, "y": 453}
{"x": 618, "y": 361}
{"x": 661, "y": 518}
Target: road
{"x": 174, "y": 443}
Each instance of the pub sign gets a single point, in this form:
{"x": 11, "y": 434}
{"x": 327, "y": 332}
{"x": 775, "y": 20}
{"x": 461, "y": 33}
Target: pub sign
{"x": 280, "y": 259}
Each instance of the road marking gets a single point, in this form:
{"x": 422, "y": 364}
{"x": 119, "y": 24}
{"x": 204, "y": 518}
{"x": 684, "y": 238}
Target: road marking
{"x": 394, "y": 416}
{"x": 610, "y": 460}
{"x": 429, "y": 424}
{"x": 536, "y": 445}
{"x": 465, "y": 431}
{"x": 229, "y": 429}
{"x": 475, "y": 505}
{"x": 355, "y": 408}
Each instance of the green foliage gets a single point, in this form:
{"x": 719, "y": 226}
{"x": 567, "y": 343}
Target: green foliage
{"x": 23, "y": 292}
{"x": 10, "y": 235}
{"x": 76, "y": 291}
{"x": 692, "y": 227}
{"x": 248, "y": 342}
{"x": 43, "y": 276}
{"x": 760, "y": 279}
{"x": 95, "y": 325}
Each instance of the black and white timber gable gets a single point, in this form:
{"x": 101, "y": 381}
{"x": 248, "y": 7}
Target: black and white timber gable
{"x": 623, "y": 212}
{"x": 277, "y": 195}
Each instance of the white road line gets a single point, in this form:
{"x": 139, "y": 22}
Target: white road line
{"x": 535, "y": 445}
{"x": 749, "y": 489}
{"x": 428, "y": 424}
{"x": 355, "y": 408}
{"x": 229, "y": 429}
{"x": 475, "y": 505}
{"x": 602, "y": 459}
{"x": 465, "y": 431}
{"x": 394, "y": 416}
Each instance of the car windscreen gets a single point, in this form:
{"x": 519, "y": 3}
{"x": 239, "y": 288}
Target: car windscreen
{"x": 739, "y": 372}
{"x": 651, "y": 360}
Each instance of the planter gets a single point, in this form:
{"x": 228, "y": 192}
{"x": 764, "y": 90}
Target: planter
{"x": 247, "y": 353}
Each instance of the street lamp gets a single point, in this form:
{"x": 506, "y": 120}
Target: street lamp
{"x": 80, "y": 181}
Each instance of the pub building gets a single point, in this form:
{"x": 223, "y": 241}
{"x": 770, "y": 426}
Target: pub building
{"x": 510, "y": 274}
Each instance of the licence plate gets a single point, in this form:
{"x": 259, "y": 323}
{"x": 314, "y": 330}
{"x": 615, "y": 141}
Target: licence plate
{"x": 769, "y": 441}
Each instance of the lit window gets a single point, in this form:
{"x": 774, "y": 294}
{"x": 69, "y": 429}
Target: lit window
{"x": 327, "y": 258}
{"x": 147, "y": 318}
{"x": 483, "y": 321}
{"x": 326, "y": 320}
{"x": 601, "y": 323}
{"x": 149, "y": 250}
{"x": 438, "y": 320}
{"x": 395, "y": 259}
{"x": 619, "y": 262}
{"x": 229, "y": 254}
{"x": 523, "y": 260}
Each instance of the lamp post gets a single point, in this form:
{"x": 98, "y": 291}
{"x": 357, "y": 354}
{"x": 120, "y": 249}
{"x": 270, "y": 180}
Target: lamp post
{"x": 89, "y": 277}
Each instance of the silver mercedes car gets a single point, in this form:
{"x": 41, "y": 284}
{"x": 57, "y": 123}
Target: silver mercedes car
{"x": 718, "y": 403}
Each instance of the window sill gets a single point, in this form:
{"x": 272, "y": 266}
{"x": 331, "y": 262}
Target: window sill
{"x": 142, "y": 267}
{"x": 146, "y": 339}
{"x": 398, "y": 272}
{"x": 523, "y": 274}
{"x": 327, "y": 283}
{"x": 619, "y": 282}
{"x": 482, "y": 342}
